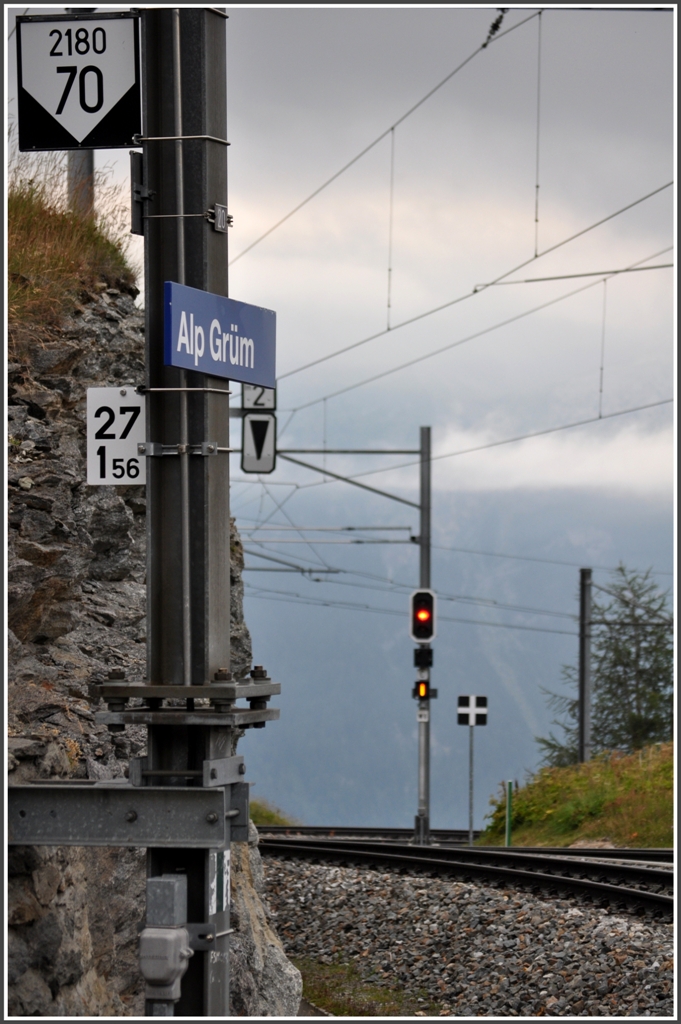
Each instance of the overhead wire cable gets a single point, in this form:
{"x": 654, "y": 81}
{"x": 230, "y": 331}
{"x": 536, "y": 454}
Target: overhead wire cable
{"x": 522, "y": 437}
{"x": 536, "y": 185}
{"x": 390, "y": 222}
{"x": 492, "y": 554}
{"x": 590, "y": 273}
{"x": 280, "y": 508}
{"x": 290, "y": 598}
{"x": 453, "y": 344}
{"x": 600, "y": 375}
{"x": 379, "y": 138}
{"x": 403, "y": 589}
{"x": 477, "y": 290}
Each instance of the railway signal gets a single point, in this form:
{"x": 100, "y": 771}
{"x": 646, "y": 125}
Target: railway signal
{"x": 422, "y": 616}
{"x": 472, "y": 711}
{"x": 423, "y": 690}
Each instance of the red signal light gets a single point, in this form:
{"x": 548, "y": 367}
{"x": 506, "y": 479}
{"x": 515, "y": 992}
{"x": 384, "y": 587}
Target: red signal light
{"x": 422, "y": 616}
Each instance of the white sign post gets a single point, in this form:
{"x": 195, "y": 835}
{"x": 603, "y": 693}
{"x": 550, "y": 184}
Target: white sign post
{"x": 472, "y": 711}
{"x": 116, "y": 424}
{"x": 79, "y": 81}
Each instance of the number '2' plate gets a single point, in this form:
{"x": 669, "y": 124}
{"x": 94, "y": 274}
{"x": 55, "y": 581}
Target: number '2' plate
{"x": 116, "y": 424}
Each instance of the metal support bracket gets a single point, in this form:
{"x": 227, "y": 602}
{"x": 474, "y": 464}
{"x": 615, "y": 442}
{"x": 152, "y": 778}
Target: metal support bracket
{"x": 240, "y": 718}
{"x": 203, "y": 936}
{"x": 221, "y": 220}
{"x": 121, "y": 815}
{"x": 219, "y": 772}
{"x": 230, "y": 690}
{"x": 155, "y": 448}
{"x": 239, "y": 797}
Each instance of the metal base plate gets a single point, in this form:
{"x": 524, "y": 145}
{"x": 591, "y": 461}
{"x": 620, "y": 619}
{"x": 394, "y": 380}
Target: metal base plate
{"x": 236, "y": 717}
{"x": 246, "y": 689}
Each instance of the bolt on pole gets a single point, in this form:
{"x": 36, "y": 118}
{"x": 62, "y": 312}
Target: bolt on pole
{"x": 422, "y": 821}
{"x": 584, "y": 725}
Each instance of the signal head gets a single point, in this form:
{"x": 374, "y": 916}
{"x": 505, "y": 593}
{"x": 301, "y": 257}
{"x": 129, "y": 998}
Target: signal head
{"x": 422, "y": 616}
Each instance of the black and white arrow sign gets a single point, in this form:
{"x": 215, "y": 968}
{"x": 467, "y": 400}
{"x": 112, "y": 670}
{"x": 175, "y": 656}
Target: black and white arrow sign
{"x": 258, "y": 447}
{"x": 472, "y": 710}
{"x": 79, "y": 81}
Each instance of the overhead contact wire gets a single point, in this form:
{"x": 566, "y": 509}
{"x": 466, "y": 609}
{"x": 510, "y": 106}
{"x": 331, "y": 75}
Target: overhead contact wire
{"x": 379, "y": 138}
{"x": 475, "y": 291}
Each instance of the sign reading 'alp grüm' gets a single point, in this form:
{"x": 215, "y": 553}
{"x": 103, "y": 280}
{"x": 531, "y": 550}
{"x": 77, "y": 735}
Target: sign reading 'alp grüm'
{"x": 225, "y": 338}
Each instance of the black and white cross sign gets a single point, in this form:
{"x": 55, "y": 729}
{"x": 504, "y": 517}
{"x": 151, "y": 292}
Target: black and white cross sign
{"x": 258, "y": 445}
{"x": 79, "y": 81}
{"x": 472, "y": 710}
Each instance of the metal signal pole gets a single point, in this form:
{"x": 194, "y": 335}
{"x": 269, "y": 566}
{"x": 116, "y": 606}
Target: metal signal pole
{"x": 584, "y": 735}
{"x": 422, "y": 820}
{"x": 470, "y": 784}
{"x": 80, "y": 175}
{"x": 80, "y": 181}
{"x": 185, "y": 61}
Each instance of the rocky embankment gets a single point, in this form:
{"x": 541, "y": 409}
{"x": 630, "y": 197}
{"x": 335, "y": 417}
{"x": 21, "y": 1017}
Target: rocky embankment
{"x": 471, "y": 949}
{"x": 76, "y": 609}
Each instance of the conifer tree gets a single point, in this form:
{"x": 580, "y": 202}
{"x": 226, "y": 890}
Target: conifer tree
{"x": 631, "y": 672}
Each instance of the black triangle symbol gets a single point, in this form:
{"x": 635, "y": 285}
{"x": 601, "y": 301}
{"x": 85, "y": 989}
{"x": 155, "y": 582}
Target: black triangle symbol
{"x": 259, "y": 430}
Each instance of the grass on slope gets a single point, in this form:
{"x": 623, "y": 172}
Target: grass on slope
{"x": 54, "y": 253}
{"x": 263, "y": 813}
{"x": 627, "y": 799}
{"x": 341, "y": 991}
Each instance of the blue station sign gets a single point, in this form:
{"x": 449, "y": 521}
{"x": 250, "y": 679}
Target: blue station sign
{"x": 225, "y": 338}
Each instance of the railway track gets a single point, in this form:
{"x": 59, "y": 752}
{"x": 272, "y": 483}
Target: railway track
{"x": 459, "y": 837}
{"x": 608, "y": 877}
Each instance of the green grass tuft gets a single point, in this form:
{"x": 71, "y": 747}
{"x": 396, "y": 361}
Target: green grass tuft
{"x": 341, "y": 990}
{"x": 263, "y": 813}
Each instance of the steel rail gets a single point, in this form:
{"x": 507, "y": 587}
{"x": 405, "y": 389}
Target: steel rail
{"x": 664, "y": 855}
{"x": 538, "y": 871}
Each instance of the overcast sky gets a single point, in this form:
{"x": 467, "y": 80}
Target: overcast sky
{"x": 308, "y": 89}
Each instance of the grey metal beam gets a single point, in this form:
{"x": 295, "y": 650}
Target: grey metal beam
{"x": 237, "y": 718}
{"x": 241, "y": 690}
{"x": 117, "y": 815}
{"x": 348, "y": 480}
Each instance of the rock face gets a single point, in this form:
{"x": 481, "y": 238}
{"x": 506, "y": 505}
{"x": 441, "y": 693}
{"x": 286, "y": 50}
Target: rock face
{"x": 76, "y": 609}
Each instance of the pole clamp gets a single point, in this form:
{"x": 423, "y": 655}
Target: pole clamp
{"x": 155, "y": 448}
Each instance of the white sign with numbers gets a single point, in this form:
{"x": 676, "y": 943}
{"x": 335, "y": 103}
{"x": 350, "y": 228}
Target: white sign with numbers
{"x": 78, "y": 76}
{"x": 254, "y": 397}
{"x": 116, "y": 424}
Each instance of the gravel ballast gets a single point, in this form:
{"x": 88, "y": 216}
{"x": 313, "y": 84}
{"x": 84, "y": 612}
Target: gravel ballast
{"x": 474, "y": 949}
